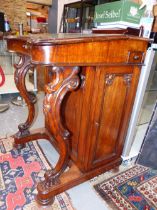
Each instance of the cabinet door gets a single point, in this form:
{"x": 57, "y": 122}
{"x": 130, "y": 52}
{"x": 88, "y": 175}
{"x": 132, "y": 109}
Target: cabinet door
{"x": 111, "y": 104}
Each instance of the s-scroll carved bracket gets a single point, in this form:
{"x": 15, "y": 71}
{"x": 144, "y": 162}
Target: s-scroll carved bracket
{"x": 55, "y": 91}
{"x": 21, "y": 70}
{"x": 66, "y": 80}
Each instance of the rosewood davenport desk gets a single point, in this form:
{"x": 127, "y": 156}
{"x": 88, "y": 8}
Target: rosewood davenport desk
{"x": 88, "y": 101}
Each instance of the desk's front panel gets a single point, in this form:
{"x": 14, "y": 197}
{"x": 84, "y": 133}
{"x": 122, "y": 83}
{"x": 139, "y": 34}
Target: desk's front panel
{"x": 95, "y": 52}
{"x": 112, "y": 99}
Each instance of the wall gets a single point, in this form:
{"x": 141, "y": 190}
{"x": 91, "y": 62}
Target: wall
{"x": 15, "y": 11}
{"x": 53, "y": 17}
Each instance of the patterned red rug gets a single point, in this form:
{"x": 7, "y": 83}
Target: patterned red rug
{"x": 20, "y": 171}
{"x": 135, "y": 188}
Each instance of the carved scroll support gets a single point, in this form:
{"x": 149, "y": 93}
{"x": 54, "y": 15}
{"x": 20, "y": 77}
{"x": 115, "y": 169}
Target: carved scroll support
{"x": 66, "y": 80}
{"x": 20, "y": 73}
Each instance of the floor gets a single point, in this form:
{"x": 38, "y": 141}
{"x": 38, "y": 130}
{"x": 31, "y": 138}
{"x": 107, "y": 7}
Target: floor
{"x": 83, "y": 196}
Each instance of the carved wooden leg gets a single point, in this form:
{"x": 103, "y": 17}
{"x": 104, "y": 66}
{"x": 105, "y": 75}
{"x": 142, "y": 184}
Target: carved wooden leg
{"x": 20, "y": 73}
{"x": 65, "y": 81}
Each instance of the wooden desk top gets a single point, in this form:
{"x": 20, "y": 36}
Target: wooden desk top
{"x": 64, "y": 38}
{"x": 77, "y": 49}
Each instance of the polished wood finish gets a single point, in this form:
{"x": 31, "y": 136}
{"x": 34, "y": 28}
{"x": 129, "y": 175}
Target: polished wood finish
{"x": 89, "y": 94}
